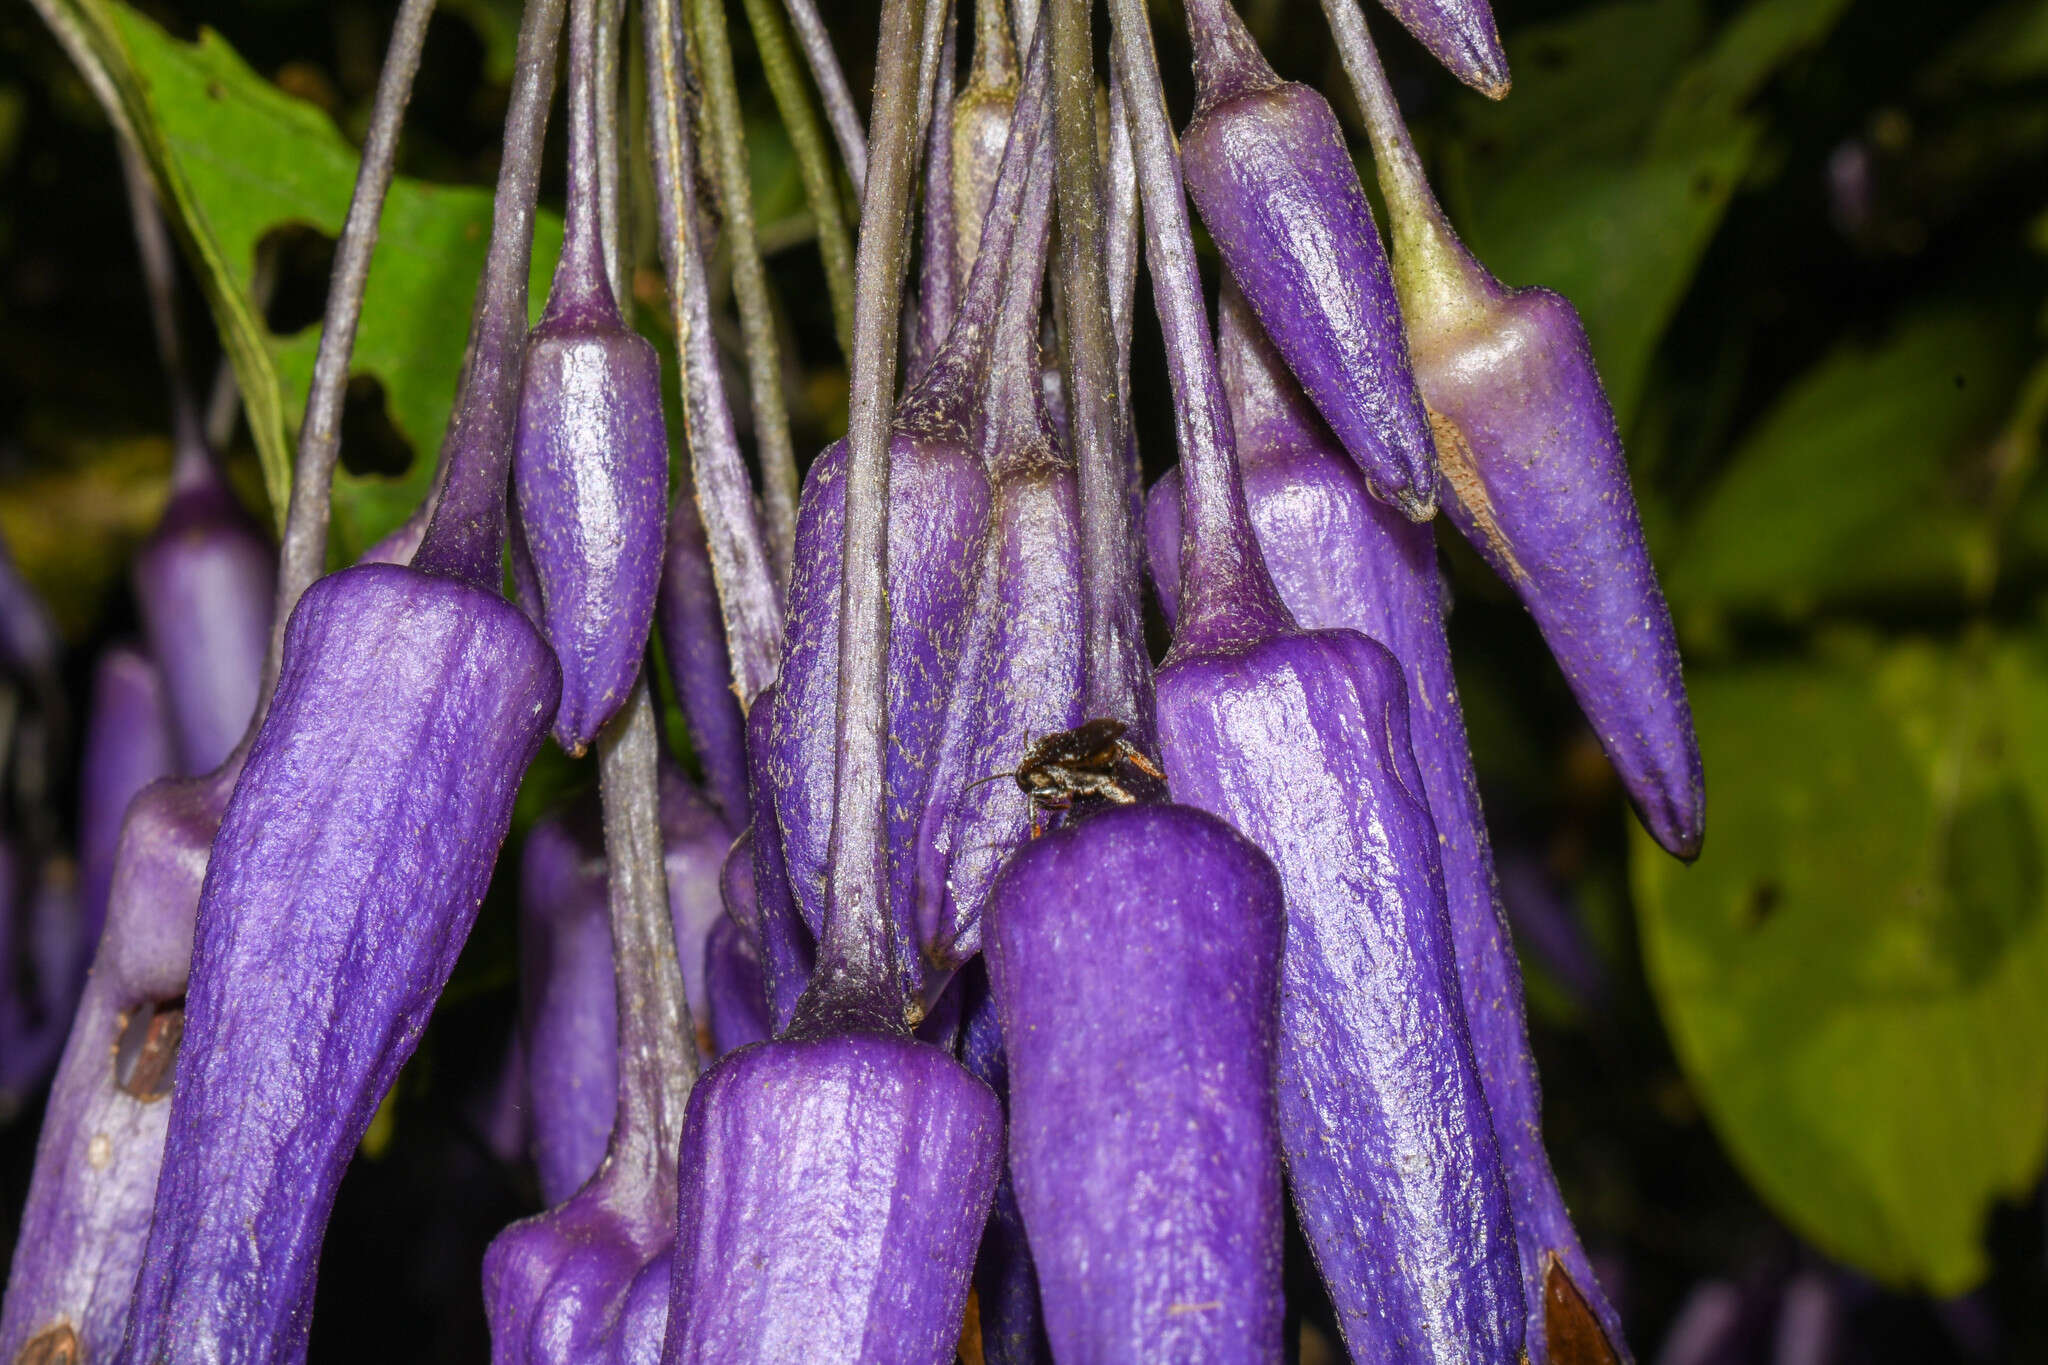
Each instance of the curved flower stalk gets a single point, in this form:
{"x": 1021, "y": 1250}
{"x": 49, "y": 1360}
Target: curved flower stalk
{"x": 1343, "y": 560}
{"x": 1020, "y": 675}
{"x": 1267, "y": 166}
{"x": 854, "y": 1239}
{"x": 938, "y": 510}
{"x": 587, "y": 1281}
{"x": 590, "y": 455}
{"x": 1534, "y": 472}
{"x": 982, "y": 118}
{"x": 1300, "y": 739}
{"x": 352, "y": 856}
{"x": 840, "y": 112}
{"x": 103, "y": 1139}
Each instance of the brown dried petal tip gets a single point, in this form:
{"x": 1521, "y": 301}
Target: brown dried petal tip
{"x": 1570, "y": 1331}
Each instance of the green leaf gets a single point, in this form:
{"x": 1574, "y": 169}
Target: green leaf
{"x": 1608, "y": 171}
{"x": 1867, "y": 481}
{"x": 1853, "y": 974}
{"x": 239, "y": 159}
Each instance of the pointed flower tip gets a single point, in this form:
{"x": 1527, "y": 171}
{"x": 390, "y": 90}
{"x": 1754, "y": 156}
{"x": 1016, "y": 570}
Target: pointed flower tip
{"x": 1417, "y": 507}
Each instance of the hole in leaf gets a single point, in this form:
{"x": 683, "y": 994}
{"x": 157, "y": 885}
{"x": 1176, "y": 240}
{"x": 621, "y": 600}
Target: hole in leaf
{"x": 302, "y": 262}
{"x": 370, "y": 442}
{"x": 1761, "y": 904}
{"x": 146, "y": 1056}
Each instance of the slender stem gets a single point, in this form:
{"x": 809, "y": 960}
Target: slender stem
{"x": 1012, "y": 404}
{"x": 466, "y": 537}
{"x": 857, "y": 975}
{"x": 748, "y": 598}
{"x": 609, "y": 13}
{"x": 304, "y": 553}
{"x": 1118, "y": 672}
{"x": 726, "y": 145}
{"x": 585, "y": 268}
{"x": 1123, "y": 233}
{"x": 1226, "y": 594}
{"x": 938, "y": 285}
{"x": 840, "y": 112}
{"x": 657, "y": 1043}
{"x": 1424, "y": 245}
{"x": 994, "y": 63}
{"x": 224, "y": 402}
{"x": 191, "y": 462}
{"x": 1024, "y": 20}
{"x": 807, "y": 140}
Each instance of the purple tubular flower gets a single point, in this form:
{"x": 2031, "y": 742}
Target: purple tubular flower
{"x": 1460, "y": 34}
{"x": 590, "y": 461}
{"x": 938, "y": 513}
{"x": 127, "y": 747}
{"x": 1534, "y": 472}
{"x": 1300, "y": 740}
{"x": 756, "y": 883}
{"x": 1019, "y": 676}
{"x": 204, "y": 584}
{"x": 833, "y": 1182}
{"x": 1141, "y": 1119}
{"x": 1343, "y": 560}
{"x": 1266, "y": 163}
{"x": 349, "y": 867}
{"x": 833, "y": 1189}
{"x": 102, "y": 1141}
{"x": 693, "y": 642}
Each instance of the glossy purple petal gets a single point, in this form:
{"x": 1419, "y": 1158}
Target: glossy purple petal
{"x": 204, "y": 583}
{"x": 737, "y": 994}
{"x": 1302, "y": 744}
{"x": 1267, "y": 166}
{"x": 832, "y": 1191}
{"x": 1134, "y": 957}
{"x": 1460, "y": 34}
{"x": 1005, "y": 1279}
{"x": 351, "y": 863}
{"x": 590, "y": 468}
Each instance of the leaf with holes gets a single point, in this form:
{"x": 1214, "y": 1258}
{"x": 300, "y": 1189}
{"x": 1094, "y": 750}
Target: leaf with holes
{"x": 1852, "y": 973}
{"x": 241, "y": 160}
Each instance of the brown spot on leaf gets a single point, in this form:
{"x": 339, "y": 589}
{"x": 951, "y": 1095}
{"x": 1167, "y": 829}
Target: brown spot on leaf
{"x": 57, "y": 1346}
{"x": 1461, "y": 472}
{"x": 1570, "y": 1330}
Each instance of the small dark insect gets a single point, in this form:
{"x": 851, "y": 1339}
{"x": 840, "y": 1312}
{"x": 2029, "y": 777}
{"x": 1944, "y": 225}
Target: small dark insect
{"x": 1081, "y": 762}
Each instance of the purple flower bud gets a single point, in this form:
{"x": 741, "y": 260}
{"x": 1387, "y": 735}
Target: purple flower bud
{"x": 1535, "y": 477}
{"x": 204, "y": 583}
{"x": 1267, "y": 166}
{"x": 348, "y": 869}
{"x": 1343, "y": 560}
{"x": 1133, "y": 957}
{"x": 692, "y": 634}
{"x": 590, "y": 468}
{"x": 1461, "y": 35}
{"x": 832, "y": 1193}
{"x": 102, "y": 1141}
{"x": 127, "y": 747}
